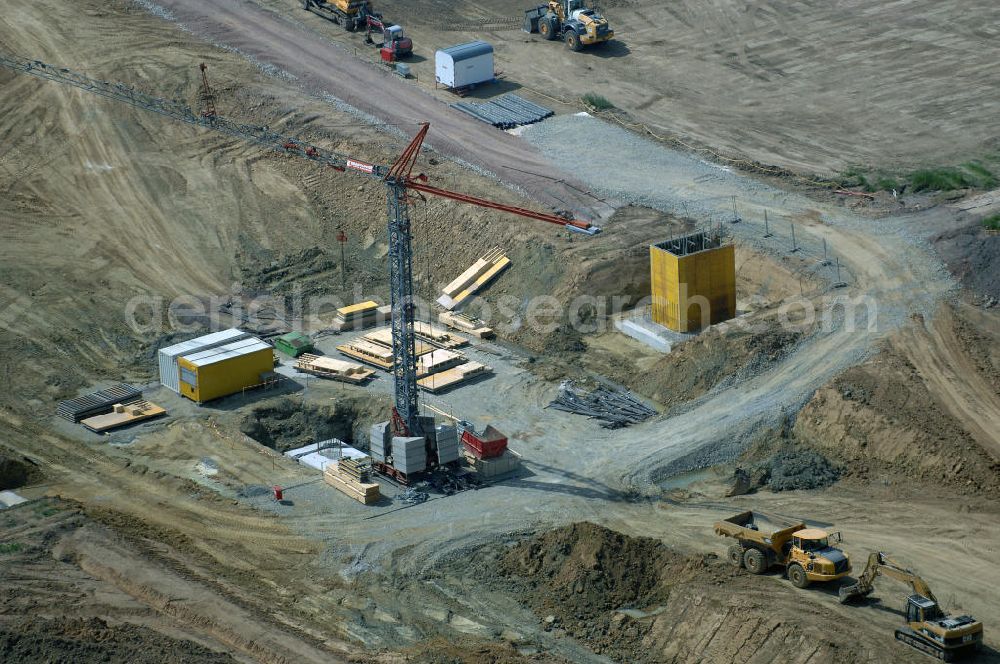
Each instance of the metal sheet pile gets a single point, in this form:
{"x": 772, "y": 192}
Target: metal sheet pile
{"x": 614, "y": 408}
{"x": 505, "y": 112}
{"x": 98, "y": 403}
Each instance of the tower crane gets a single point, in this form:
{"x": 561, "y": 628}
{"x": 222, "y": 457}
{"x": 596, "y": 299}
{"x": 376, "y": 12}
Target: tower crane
{"x": 399, "y": 182}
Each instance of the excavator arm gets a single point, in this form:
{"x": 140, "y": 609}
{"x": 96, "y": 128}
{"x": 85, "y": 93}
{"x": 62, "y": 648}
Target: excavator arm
{"x": 879, "y": 563}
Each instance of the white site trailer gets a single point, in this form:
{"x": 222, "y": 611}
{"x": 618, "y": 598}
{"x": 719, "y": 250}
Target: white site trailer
{"x": 169, "y": 376}
{"x": 464, "y": 65}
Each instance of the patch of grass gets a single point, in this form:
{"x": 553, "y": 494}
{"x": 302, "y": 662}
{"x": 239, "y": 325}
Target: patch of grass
{"x": 887, "y": 183}
{"x": 940, "y": 179}
{"x": 597, "y": 102}
{"x": 992, "y": 222}
{"x": 10, "y": 547}
{"x": 984, "y": 177}
{"x": 855, "y": 177}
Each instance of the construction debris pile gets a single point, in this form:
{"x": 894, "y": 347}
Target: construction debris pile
{"x": 615, "y": 408}
{"x": 505, "y": 112}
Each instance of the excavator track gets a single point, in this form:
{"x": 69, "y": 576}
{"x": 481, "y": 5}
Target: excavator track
{"x": 911, "y": 638}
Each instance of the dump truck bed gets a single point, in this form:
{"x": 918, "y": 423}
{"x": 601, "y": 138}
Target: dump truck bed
{"x": 743, "y": 527}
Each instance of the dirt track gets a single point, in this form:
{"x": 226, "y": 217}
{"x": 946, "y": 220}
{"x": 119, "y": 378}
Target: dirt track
{"x": 324, "y": 67}
{"x": 118, "y": 202}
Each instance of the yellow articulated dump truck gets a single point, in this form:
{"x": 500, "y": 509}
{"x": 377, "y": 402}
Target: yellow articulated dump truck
{"x": 806, "y": 554}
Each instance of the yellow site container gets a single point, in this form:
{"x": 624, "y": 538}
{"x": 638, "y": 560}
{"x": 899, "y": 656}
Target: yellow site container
{"x": 219, "y": 372}
{"x": 693, "y": 282}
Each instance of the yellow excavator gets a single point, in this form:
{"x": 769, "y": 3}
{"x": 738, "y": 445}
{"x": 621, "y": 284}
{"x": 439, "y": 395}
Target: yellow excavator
{"x": 927, "y": 628}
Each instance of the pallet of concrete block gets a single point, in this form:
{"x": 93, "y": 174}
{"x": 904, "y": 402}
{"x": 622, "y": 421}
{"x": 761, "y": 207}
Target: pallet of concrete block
{"x": 473, "y": 326}
{"x": 365, "y": 351}
{"x": 380, "y": 441}
{"x": 453, "y": 377}
{"x": 470, "y": 282}
{"x": 446, "y": 440}
{"x": 409, "y": 454}
{"x": 352, "y": 477}
{"x": 361, "y": 316}
{"x": 438, "y": 337}
{"x": 122, "y": 415}
{"x": 505, "y": 464}
{"x": 334, "y": 369}
{"x": 437, "y": 361}
{"x": 383, "y": 338}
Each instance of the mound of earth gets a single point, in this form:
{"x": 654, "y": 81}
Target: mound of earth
{"x": 696, "y": 366}
{"x": 973, "y": 256}
{"x": 285, "y": 424}
{"x": 632, "y": 599}
{"x": 94, "y": 640}
{"x": 879, "y": 420}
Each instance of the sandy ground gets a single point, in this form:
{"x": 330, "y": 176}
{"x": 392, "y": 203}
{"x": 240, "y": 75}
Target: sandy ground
{"x": 810, "y": 86}
{"x": 102, "y": 203}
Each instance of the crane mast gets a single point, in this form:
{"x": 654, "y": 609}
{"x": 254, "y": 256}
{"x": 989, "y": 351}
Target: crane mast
{"x": 398, "y": 180}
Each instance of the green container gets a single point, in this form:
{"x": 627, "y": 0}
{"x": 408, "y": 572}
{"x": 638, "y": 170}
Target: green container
{"x": 294, "y": 343}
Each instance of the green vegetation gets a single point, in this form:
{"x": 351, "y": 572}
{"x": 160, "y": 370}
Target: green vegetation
{"x": 597, "y": 102}
{"x": 992, "y": 223}
{"x": 10, "y": 547}
{"x": 946, "y": 178}
{"x": 939, "y": 179}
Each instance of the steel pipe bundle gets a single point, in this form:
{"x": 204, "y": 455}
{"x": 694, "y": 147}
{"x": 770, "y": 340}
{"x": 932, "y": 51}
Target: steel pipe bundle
{"x": 615, "y": 408}
{"x": 505, "y": 112}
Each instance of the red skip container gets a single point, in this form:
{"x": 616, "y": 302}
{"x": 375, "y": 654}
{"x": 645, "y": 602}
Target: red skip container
{"x": 278, "y": 493}
{"x": 491, "y": 443}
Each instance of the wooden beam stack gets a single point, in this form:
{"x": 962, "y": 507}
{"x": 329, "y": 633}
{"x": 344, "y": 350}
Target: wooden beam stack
{"x": 352, "y": 477}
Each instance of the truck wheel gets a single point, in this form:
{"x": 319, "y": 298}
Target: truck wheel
{"x": 755, "y": 561}
{"x": 798, "y": 576}
{"x": 547, "y": 28}
{"x": 735, "y": 555}
{"x": 573, "y": 41}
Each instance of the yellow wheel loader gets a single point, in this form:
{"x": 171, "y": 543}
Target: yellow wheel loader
{"x": 927, "y": 627}
{"x": 806, "y": 554}
{"x": 570, "y": 21}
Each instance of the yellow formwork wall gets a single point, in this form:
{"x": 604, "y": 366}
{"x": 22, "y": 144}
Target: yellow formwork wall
{"x": 226, "y": 377}
{"x": 683, "y": 285}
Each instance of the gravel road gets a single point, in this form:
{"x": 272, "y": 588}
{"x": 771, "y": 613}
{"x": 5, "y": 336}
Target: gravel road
{"x": 327, "y": 68}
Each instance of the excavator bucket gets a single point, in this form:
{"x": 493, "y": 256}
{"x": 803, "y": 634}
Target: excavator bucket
{"x": 853, "y": 592}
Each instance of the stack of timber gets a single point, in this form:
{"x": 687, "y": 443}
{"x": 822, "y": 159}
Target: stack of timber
{"x": 365, "y": 351}
{"x": 473, "y": 326}
{"x": 353, "y": 478}
{"x": 361, "y": 316}
{"x": 481, "y": 273}
{"x": 437, "y": 361}
{"x": 615, "y": 408}
{"x": 383, "y": 338}
{"x": 98, "y": 403}
{"x": 334, "y": 369}
{"x": 123, "y": 415}
{"x": 449, "y": 378}
{"x": 438, "y": 337}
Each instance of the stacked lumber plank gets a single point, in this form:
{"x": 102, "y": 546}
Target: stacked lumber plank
{"x": 450, "y": 378}
{"x": 438, "y": 337}
{"x": 360, "y": 316}
{"x": 123, "y": 415}
{"x": 481, "y": 273}
{"x": 473, "y": 326}
{"x": 365, "y": 351}
{"x": 352, "y": 477}
{"x": 334, "y": 369}
{"x": 98, "y": 403}
{"x": 383, "y": 337}
{"x": 437, "y": 361}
